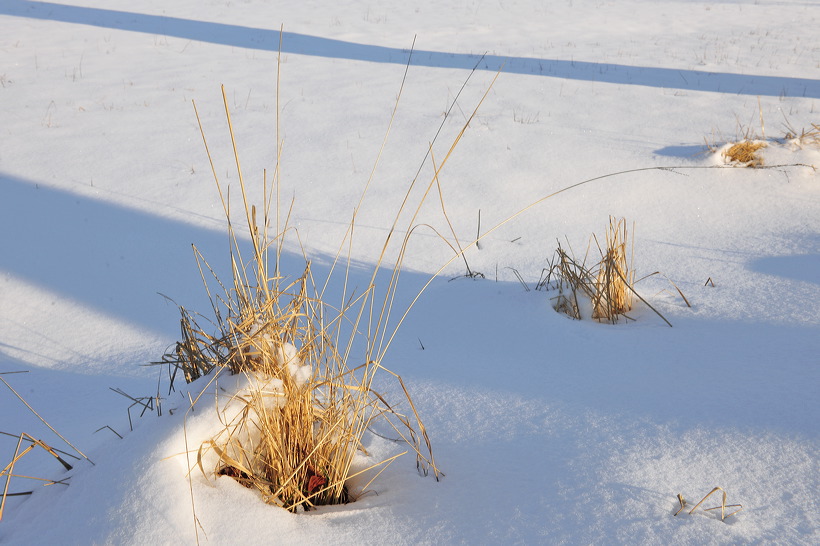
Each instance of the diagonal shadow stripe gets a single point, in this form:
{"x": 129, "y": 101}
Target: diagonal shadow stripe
{"x": 304, "y": 44}
{"x": 118, "y": 260}
{"x": 111, "y": 258}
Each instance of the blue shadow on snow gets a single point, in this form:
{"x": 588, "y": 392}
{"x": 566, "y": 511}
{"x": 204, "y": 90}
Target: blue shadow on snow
{"x": 303, "y": 44}
{"x": 107, "y": 256}
{"x": 683, "y": 151}
{"x": 799, "y": 267}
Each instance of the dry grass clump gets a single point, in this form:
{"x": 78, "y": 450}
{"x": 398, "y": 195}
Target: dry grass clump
{"x": 744, "y": 153}
{"x": 613, "y": 283}
{"x": 743, "y": 150}
{"x": 606, "y": 289}
{"x": 293, "y": 431}
{"x": 607, "y": 285}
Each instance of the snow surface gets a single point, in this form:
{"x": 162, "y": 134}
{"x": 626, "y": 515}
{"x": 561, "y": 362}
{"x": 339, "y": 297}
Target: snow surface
{"x": 548, "y": 430}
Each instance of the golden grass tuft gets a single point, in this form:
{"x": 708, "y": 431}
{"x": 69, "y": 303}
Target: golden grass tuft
{"x": 744, "y": 151}
{"x": 607, "y": 284}
{"x": 310, "y": 368}
{"x": 293, "y": 432}
{"x": 612, "y": 296}
{"x": 745, "y": 154}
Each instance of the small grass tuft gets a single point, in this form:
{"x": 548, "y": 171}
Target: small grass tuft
{"x": 745, "y": 149}
{"x": 607, "y": 284}
{"x": 805, "y": 137}
{"x": 744, "y": 153}
{"x": 612, "y": 295}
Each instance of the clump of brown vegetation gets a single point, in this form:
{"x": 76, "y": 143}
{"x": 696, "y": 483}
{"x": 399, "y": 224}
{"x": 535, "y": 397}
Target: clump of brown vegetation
{"x": 310, "y": 367}
{"x": 607, "y": 284}
{"x": 615, "y": 276}
{"x": 607, "y": 287}
{"x": 744, "y": 153}
{"x": 293, "y": 432}
{"x": 745, "y": 149}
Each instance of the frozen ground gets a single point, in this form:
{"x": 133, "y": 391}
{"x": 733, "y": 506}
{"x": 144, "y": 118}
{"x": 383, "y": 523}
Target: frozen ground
{"x": 548, "y": 430}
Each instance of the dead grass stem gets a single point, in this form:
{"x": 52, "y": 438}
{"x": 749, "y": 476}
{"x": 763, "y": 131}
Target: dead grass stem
{"x": 44, "y": 421}
{"x": 723, "y": 506}
{"x": 8, "y": 470}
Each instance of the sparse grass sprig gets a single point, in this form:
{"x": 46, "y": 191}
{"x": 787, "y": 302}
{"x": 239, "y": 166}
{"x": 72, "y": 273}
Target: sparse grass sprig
{"x": 805, "y": 137}
{"x": 723, "y": 506}
{"x": 8, "y": 470}
{"x": 32, "y": 410}
{"x": 147, "y": 403}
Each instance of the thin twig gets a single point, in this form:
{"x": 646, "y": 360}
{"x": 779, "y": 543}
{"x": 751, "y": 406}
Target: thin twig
{"x": 109, "y": 428}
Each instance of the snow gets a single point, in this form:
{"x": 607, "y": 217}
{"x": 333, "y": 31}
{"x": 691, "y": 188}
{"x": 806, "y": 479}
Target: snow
{"x": 549, "y": 430}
